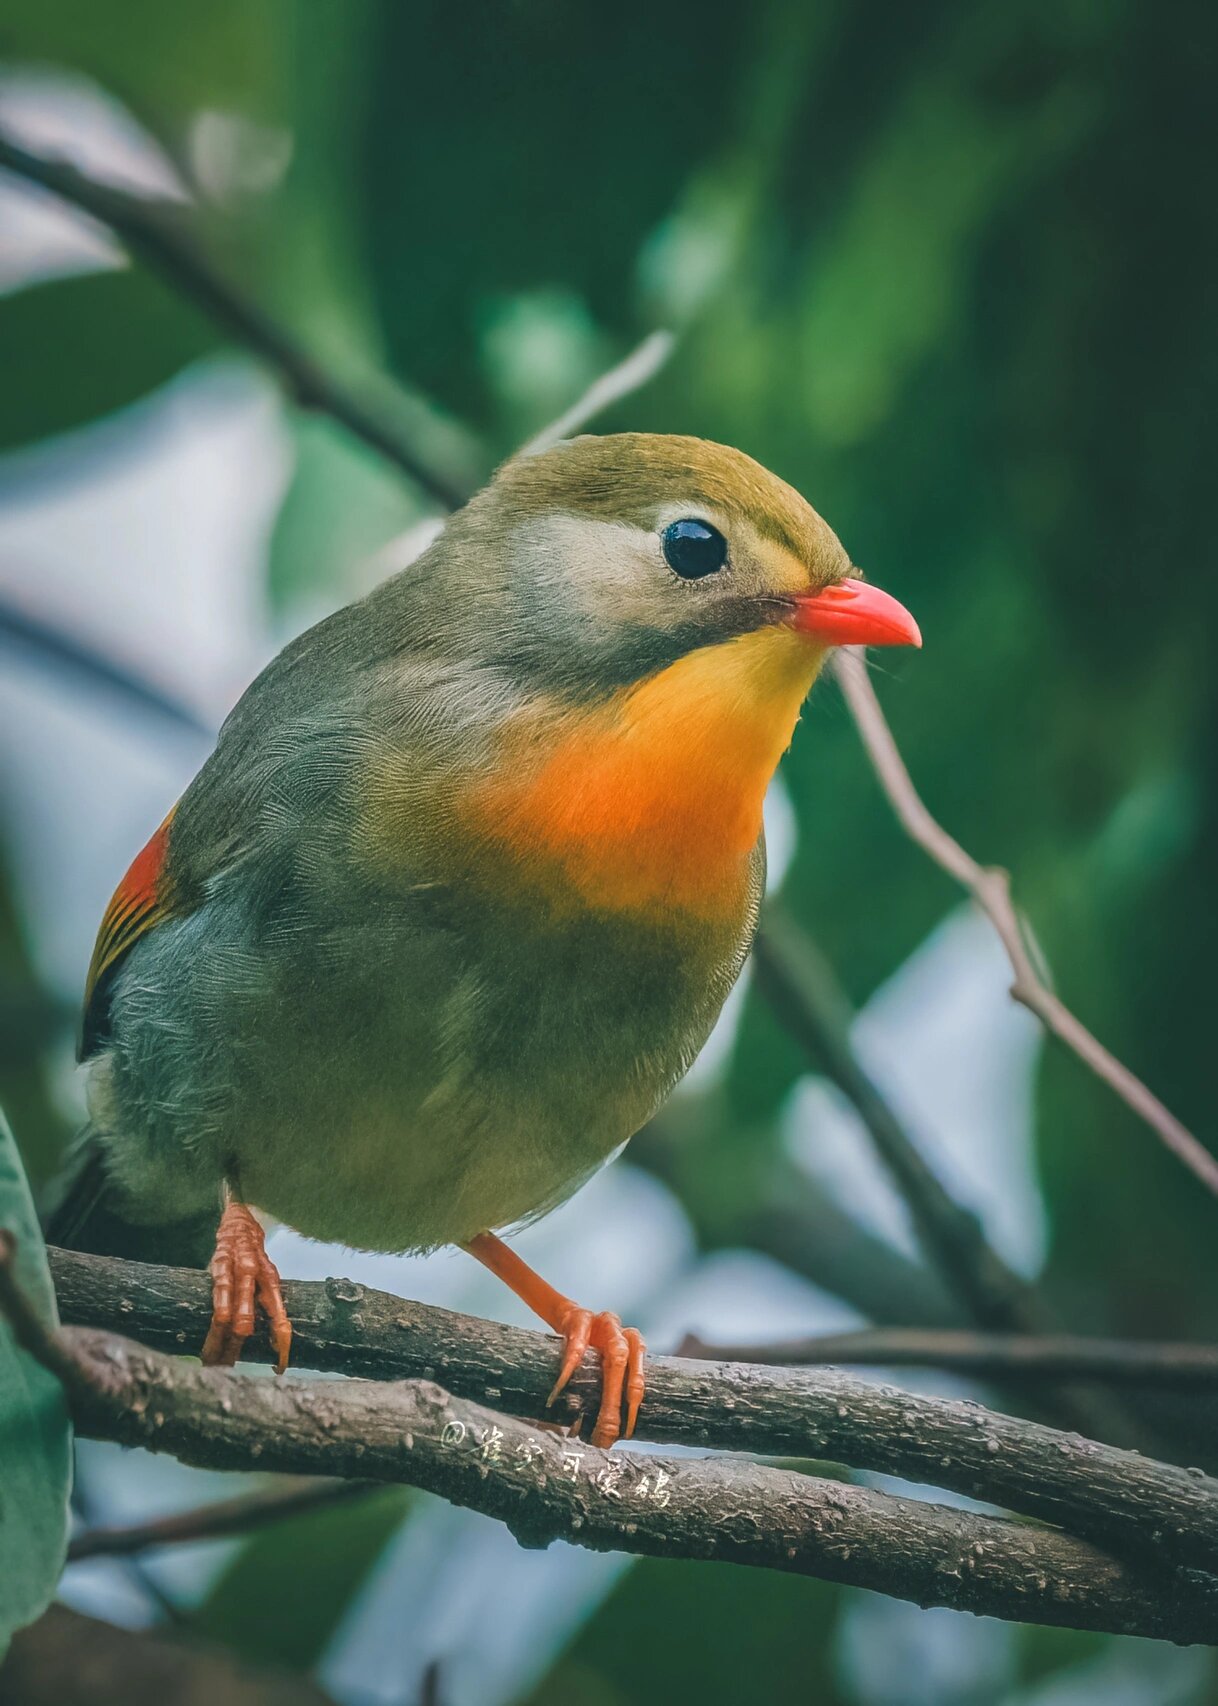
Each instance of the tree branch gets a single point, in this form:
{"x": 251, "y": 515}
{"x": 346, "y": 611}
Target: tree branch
{"x": 1115, "y": 1498}
{"x": 156, "y": 234}
{"x": 806, "y": 999}
{"x": 1012, "y": 1356}
{"x": 77, "y": 659}
{"x": 631, "y": 374}
{"x": 776, "y": 1207}
{"x": 547, "y": 1488}
{"x": 991, "y": 889}
{"x": 218, "y": 1520}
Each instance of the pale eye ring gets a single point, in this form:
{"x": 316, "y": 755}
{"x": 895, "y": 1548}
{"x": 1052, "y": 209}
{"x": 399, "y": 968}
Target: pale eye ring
{"x": 693, "y": 549}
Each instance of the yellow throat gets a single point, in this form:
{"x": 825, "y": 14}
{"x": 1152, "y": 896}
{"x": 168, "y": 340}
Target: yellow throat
{"x": 653, "y": 799}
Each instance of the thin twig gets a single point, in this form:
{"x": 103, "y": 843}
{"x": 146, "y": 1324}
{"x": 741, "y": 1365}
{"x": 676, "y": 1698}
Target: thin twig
{"x": 546, "y": 1488}
{"x": 1014, "y": 1356}
{"x": 64, "y": 650}
{"x": 146, "y": 1582}
{"x": 156, "y": 233}
{"x": 805, "y": 996}
{"x": 772, "y": 1204}
{"x": 1112, "y": 1497}
{"x": 217, "y": 1521}
{"x": 991, "y": 889}
{"x": 630, "y": 375}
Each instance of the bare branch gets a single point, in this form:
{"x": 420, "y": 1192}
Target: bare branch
{"x": 630, "y": 375}
{"x": 805, "y": 997}
{"x": 1019, "y": 1356}
{"x": 1113, "y": 1497}
{"x": 545, "y": 1488}
{"x": 991, "y": 889}
{"x": 219, "y": 1520}
{"x": 58, "y": 646}
{"x": 782, "y": 1211}
{"x": 155, "y": 232}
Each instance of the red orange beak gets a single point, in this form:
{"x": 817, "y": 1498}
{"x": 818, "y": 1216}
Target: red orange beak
{"x": 854, "y": 613}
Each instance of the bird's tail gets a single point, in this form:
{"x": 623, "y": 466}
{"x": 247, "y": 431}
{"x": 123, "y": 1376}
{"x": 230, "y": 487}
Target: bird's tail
{"x": 83, "y": 1211}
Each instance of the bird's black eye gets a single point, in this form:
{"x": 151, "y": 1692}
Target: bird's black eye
{"x": 693, "y": 549}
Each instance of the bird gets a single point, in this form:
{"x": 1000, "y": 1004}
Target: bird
{"x": 461, "y": 890}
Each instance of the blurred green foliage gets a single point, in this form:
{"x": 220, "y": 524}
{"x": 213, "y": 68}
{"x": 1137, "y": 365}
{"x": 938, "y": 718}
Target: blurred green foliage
{"x": 948, "y": 269}
{"x": 780, "y": 1634}
{"x": 35, "y": 1433}
{"x": 245, "y": 1608}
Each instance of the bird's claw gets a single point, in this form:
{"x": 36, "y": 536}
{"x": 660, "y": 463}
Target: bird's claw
{"x": 622, "y": 1352}
{"x": 243, "y": 1279}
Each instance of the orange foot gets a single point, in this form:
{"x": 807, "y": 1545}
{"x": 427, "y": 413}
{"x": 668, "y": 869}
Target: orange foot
{"x": 243, "y": 1276}
{"x": 621, "y": 1348}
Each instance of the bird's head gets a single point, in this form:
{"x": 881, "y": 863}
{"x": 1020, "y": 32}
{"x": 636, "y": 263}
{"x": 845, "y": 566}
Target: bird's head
{"x": 656, "y": 609}
{"x": 614, "y": 558}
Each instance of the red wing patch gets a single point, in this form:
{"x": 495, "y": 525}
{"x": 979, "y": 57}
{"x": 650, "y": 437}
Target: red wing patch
{"x": 142, "y": 900}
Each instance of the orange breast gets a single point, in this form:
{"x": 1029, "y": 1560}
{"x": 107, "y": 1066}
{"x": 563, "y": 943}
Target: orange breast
{"x": 653, "y": 800}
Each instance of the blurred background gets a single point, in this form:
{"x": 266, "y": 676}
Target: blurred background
{"x": 949, "y": 270}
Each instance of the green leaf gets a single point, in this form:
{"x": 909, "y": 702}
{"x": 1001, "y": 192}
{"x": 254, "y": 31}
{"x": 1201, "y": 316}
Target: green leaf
{"x": 317, "y": 1564}
{"x": 234, "y": 60}
{"x": 343, "y": 504}
{"x": 115, "y": 338}
{"x": 760, "y": 1636}
{"x": 35, "y": 1434}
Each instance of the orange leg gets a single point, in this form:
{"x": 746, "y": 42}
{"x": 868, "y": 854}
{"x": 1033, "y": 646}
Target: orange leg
{"x": 621, "y": 1348}
{"x": 243, "y": 1277}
